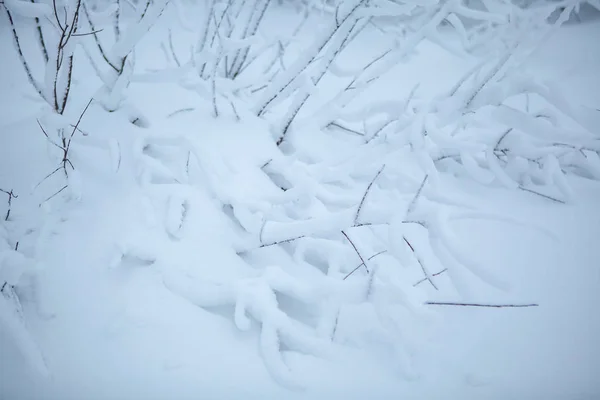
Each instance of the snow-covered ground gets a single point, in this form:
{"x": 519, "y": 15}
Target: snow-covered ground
{"x": 151, "y": 279}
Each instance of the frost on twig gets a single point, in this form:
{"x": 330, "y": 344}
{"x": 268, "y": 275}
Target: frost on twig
{"x": 436, "y": 303}
{"x": 11, "y": 195}
{"x": 362, "y": 201}
{"x": 64, "y": 145}
{"x": 14, "y": 267}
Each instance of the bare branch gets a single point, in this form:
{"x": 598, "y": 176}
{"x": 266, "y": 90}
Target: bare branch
{"x": 425, "y": 272}
{"x": 56, "y": 16}
{"x": 172, "y": 48}
{"x": 280, "y": 242}
{"x": 11, "y": 195}
{"x": 97, "y": 39}
{"x": 76, "y": 127}
{"x": 41, "y": 37}
{"x": 340, "y": 126}
{"x": 48, "y": 176}
{"x": 542, "y": 195}
{"x": 47, "y": 137}
{"x": 34, "y": 83}
{"x": 50, "y": 198}
{"x": 413, "y": 203}
{"x": 88, "y": 33}
{"x": 425, "y": 279}
{"x": 435, "y": 303}
{"x": 361, "y": 264}
{"x": 180, "y": 111}
{"x": 362, "y": 202}
{"x": 357, "y": 252}
{"x": 68, "y": 85}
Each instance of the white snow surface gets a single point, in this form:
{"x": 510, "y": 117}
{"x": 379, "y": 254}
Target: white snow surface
{"x": 144, "y": 279}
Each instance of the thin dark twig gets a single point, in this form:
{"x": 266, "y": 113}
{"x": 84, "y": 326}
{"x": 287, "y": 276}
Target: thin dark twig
{"x": 279, "y": 242}
{"x": 424, "y": 279}
{"x": 361, "y": 264}
{"x": 46, "y": 134}
{"x": 145, "y": 10}
{"x": 435, "y": 303}
{"x": 68, "y": 86}
{"x": 41, "y": 37}
{"x": 73, "y": 27}
{"x": 409, "y": 245}
{"x": 88, "y": 33}
{"x": 49, "y": 198}
{"x": 180, "y": 111}
{"x": 84, "y": 133}
{"x": 48, "y": 176}
{"x": 28, "y": 72}
{"x": 266, "y": 164}
{"x": 413, "y": 202}
{"x": 342, "y": 127}
{"x": 172, "y": 48}
{"x": 502, "y": 138}
{"x": 77, "y": 125}
{"x": 542, "y": 195}
{"x": 425, "y": 272}
{"x": 357, "y": 252}
{"x": 56, "y": 16}
{"x": 366, "y": 193}
{"x": 11, "y": 195}
{"x": 97, "y": 39}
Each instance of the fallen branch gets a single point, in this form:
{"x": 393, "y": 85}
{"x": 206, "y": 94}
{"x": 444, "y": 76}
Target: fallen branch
{"x": 51, "y": 197}
{"x": 554, "y": 199}
{"x": 362, "y": 201}
{"x": 11, "y": 195}
{"x": 357, "y": 252}
{"x": 425, "y": 272}
{"x": 280, "y": 242}
{"x": 435, "y": 303}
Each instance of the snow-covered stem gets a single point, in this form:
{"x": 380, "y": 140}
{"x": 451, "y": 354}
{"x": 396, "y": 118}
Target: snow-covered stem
{"x": 435, "y": 303}
{"x": 36, "y": 85}
{"x": 11, "y": 195}
{"x": 119, "y": 56}
{"x": 363, "y": 262}
{"x": 280, "y": 85}
{"x": 117, "y": 21}
{"x": 64, "y": 147}
{"x": 59, "y": 70}
{"x": 337, "y": 43}
{"x": 413, "y": 202}
{"x": 427, "y": 275}
{"x": 202, "y": 40}
{"x": 40, "y": 35}
{"x": 425, "y": 279}
{"x": 99, "y": 45}
{"x": 362, "y": 201}
{"x": 251, "y": 28}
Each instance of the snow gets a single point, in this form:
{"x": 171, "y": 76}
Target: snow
{"x": 27, "y": 9}
{"x": 192, "y": 257}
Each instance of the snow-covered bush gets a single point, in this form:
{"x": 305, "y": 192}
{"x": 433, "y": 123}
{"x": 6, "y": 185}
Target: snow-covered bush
{"x": 321, "y": 246}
